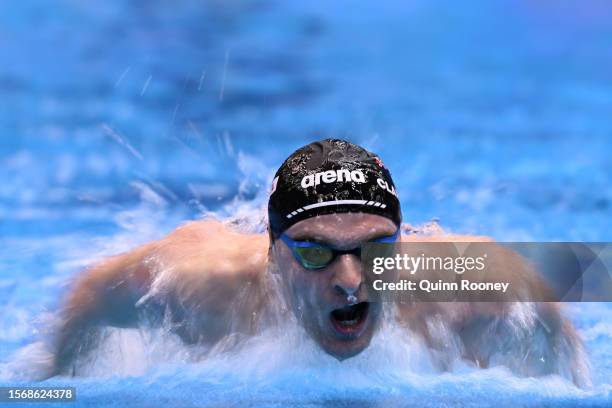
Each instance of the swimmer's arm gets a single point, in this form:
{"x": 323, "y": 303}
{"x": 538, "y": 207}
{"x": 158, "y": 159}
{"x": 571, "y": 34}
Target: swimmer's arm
{"x": 532, "y": 338}
{"x": 105, "y": 294}
{"x": 209, "y": 266}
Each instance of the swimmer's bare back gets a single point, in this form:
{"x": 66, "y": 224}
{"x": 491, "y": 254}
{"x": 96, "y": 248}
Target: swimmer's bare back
{"x": 194, "y": 275}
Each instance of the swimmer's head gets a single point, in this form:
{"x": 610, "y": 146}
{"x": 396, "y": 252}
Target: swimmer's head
{"x": 329, "y": 177}
{"x": 328, "y": 198}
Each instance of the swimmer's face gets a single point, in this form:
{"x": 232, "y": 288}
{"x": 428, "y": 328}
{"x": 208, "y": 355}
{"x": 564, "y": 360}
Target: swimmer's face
{"x": 319, "y": 297}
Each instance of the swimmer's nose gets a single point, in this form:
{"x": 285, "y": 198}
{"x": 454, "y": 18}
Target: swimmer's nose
{"x": 348, "y": 275}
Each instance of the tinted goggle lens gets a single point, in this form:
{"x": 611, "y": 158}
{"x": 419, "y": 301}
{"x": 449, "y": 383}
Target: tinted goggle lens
{"x": 318, "y": 256}
{"x": 314, "y": 257}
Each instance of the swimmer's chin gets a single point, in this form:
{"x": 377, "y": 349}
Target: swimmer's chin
{"x": 346, "y": 354}
{"x": 343, "y": 350}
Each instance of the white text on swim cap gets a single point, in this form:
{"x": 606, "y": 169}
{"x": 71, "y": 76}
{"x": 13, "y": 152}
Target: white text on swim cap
{"x": 331, "y": 176}
{"x": 385, "y": 186}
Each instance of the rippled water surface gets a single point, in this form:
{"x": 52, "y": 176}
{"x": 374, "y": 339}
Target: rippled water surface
{"x": 118, "y": 120}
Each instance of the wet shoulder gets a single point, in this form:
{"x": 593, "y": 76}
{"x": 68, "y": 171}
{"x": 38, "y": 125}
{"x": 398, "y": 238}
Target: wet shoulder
{"x": 213, "y": 248}
{"x": 446, "y": 238}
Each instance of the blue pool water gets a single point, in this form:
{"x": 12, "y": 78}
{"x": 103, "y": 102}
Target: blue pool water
{"x": 119, "y": 120}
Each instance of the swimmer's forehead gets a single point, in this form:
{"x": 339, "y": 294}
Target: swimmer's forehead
{"x": 342, "y": 229}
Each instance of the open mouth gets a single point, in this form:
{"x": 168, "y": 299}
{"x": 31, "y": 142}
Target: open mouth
{"x": 349, "y": 320}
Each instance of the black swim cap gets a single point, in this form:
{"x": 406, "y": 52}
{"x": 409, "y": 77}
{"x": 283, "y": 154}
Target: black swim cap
{"x": 330, "y": 176}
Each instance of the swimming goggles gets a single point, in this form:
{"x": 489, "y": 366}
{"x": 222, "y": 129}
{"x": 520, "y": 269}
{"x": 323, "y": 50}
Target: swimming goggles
{"x": 315, "y": 255}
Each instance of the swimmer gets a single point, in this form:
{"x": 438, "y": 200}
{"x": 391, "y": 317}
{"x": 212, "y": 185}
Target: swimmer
{"x": 209, "y": 281}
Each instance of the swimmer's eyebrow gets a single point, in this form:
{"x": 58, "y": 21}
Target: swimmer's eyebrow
{"x": 335, "y": 241}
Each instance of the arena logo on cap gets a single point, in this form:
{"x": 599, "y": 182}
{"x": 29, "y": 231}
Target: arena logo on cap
{"x": 333, "y": 176}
